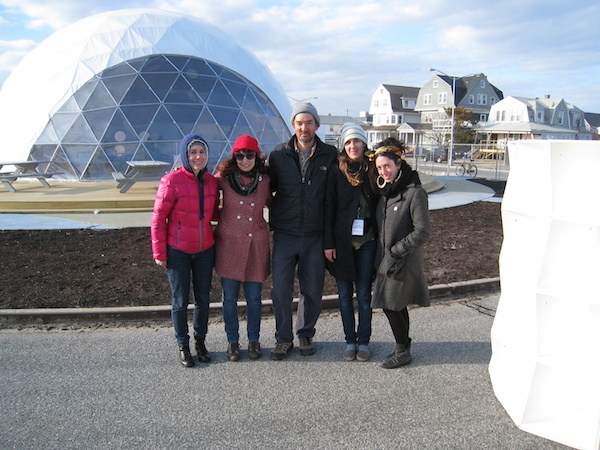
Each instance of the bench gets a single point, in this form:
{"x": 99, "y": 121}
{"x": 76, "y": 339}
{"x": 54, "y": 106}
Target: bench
{"x": 124, "y": 183}
{"x": 139, "y": 171}
{"x": 8, "y": 178}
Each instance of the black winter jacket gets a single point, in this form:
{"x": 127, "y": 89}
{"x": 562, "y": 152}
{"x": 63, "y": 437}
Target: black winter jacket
{"x": 341, "y": 203}
{"x": 298, "y": 203}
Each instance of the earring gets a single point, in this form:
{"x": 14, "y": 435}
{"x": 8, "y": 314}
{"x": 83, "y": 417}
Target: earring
{"x": 381, "y": 184}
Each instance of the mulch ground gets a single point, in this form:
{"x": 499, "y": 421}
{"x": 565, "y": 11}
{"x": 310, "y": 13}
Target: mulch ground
{"x": 100, "y": 268}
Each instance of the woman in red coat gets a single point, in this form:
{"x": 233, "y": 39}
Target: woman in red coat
{"x": 242, "y": 241}
{"x": 183, "y": 243}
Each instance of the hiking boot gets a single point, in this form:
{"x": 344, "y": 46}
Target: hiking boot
{"x": 281, "y": 350}
{"x": 203, "y": 355}
{"x": 185, "y": 356}
{"x": 401, "y": 357}
{"x": 306, "y": 346}
{"x": 233, "y": 351}
{"x": 254, "y": 351}
{"x": 350, "y": 352}
{"x": 363, "y": 353}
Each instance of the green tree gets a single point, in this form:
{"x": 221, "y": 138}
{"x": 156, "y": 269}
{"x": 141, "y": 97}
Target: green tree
{"x": 463, "y": 125}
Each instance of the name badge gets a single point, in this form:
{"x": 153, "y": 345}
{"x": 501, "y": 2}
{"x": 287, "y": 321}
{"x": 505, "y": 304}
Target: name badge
{"x": 358, "y": 227}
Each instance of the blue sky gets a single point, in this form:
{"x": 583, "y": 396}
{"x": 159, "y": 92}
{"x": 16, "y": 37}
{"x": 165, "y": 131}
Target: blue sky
{"x": 341, "y": 50}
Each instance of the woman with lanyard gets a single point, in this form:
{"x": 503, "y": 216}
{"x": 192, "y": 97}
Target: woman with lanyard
{"x": 242, "y": 241}
{"x": 350, "y": 237}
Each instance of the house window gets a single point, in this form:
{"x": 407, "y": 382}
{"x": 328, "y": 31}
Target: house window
{"x": 471, "y": 99}
{"x": 385, "y": 102}
{"x": 497, "y": 116}
{"x": 481, "y": 99}
{"x": 442, "y": 98}
{"x": 427, "y": 99}
{"x": 540, "y": 117}
{"x": 435, "y": 83}
{"x": 376, "y": 103}
{"x": 482, "y": 84}
{"x": 561, "y": 118}
{"x": 483, "y": 117}
{"x": 503, "y": 116}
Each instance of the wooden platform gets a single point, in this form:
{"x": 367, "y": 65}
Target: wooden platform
{"x": 65, "y": 196}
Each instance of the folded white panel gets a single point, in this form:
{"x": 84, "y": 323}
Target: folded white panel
{"x": 545, "y": 366}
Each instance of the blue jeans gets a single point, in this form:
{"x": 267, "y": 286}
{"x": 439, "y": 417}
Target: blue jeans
{"x": 363, "y": 263}
{"x": 253, "y": 294}
{"x": 183, "y": 268}
{"x": 306, "y": 252}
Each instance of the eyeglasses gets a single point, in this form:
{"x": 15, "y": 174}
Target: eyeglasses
{"x": 249, "y": 156}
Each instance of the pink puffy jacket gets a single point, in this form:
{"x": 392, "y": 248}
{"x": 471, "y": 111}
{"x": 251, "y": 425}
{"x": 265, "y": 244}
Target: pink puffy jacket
{"x": 176, "y": 218}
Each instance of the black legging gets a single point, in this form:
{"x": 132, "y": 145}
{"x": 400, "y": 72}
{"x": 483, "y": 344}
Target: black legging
{"x": 399, "y": 322}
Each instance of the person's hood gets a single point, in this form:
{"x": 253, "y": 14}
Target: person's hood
{"x": 185, "y": 144}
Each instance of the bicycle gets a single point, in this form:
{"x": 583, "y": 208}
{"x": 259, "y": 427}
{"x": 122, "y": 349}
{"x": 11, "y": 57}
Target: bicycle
{"x": 468, "y": 168}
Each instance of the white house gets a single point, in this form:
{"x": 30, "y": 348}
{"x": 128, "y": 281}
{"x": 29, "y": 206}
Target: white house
{"x": 517, "y": 118}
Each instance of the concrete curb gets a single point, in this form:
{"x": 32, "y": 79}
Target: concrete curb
{"x": 441, "y": 292}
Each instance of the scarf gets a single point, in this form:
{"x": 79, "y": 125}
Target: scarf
{"x": 236, "y": 183}
{"x": 405, "y": 177}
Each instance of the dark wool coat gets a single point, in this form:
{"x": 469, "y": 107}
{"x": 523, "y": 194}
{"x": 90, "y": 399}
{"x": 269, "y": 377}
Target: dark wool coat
{"x": 341, "y": 204}
{"x": 242, "y": 235}
{"x": 404, "y": 227}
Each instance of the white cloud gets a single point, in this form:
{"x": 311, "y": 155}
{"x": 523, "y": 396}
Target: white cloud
{"x": 340, "y": 50}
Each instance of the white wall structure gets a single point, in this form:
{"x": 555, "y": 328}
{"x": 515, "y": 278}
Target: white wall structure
{"x": 545, "y": 366}
{"x": 128, "y": 84}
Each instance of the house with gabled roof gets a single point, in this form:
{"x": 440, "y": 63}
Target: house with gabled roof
{"x": 549, "y": 117}
{"x": 474, "y": 93}
{"x": 391, "y": 106}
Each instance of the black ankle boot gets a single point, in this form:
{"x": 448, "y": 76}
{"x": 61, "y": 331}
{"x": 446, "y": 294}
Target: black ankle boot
{"x": 185, "y": 356}
{"x": 400, "y": 357}
{"x": 203, "y": 355}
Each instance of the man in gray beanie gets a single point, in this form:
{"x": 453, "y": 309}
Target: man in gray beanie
{"x": 298, "y": 170}
{"x": 306, "y": 107}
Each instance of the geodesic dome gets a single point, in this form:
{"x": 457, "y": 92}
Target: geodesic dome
{"x": 128, "y": 85}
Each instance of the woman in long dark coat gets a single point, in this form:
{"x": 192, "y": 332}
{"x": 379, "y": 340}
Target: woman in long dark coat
{"x": 403, "y": 219}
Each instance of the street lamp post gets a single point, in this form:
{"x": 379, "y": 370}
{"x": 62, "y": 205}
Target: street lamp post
{"x": 451, "y": 149}
{"x": 303, "y": 100}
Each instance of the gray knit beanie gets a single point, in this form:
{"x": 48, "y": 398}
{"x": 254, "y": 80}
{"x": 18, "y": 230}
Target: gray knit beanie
{"x": 306, "y": 107}
{"x": 352, "y": 130}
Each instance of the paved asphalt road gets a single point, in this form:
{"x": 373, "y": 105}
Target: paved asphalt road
{"x": 121, "y": 387}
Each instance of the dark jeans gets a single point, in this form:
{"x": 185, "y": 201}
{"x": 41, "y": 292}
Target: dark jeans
{"x": 253, "y": 294}
{"x": 183, "y": 268}
{"x": 307, "y": 253}
{"x": 363, "y": 263}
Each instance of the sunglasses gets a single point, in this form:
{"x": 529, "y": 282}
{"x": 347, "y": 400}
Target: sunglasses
{"x": 249, "y": 156}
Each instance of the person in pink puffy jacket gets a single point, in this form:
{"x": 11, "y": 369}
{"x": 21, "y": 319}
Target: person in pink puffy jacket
{"x": 183, "y": 243}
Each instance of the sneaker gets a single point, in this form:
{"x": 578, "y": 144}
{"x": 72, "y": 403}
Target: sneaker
{"x": 281, "y": 350}
{"x": 185, "y": 356}
{"x": 363, "y": 353}
{"x": 233, "y": 351}
{"x": 306, "y": 346}
{"x": 254, "y": 351}
{"x": 350, "y": 352}
{"x": 203, "y": 355}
